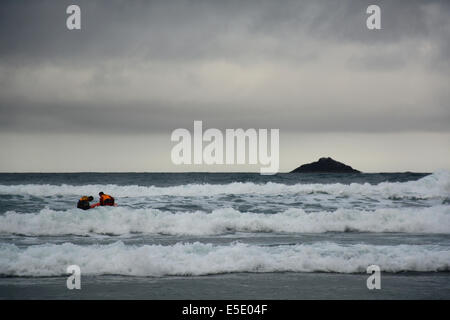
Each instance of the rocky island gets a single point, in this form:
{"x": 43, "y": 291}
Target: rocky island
{"x": 325, "y": 165}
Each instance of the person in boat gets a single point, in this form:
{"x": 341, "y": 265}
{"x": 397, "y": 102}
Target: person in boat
{"x": 105, "y": 200}
{"x": 83, "y": 202}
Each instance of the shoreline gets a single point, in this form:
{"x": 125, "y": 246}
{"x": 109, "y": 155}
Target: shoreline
{"x": 253, "y": 286}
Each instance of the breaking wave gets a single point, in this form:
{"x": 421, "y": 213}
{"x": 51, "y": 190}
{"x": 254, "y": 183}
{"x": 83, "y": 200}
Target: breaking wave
{"x": 201, "y": 259}
{"x": 434, "y": 185}
{"x": 123, "y": 221}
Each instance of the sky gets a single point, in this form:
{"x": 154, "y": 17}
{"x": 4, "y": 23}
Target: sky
{"x": 107, "y": 97}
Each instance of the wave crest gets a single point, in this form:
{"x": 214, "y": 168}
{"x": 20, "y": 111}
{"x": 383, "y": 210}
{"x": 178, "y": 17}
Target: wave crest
{"x": 201, "y": 259}
{"x": 434, "y": 185}
{"x": 123, "y": 221}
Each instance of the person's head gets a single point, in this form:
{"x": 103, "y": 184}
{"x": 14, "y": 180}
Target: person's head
{"x": 100, "y": 193}
{"x": 90, "y": 198}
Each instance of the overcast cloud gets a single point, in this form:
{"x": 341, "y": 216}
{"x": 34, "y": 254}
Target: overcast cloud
{"x": 148, "y": 67}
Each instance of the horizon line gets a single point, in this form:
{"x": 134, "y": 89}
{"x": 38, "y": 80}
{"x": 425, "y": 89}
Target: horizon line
{"x": 208, "y": 172}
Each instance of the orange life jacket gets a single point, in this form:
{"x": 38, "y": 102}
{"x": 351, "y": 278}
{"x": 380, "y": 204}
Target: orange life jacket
{"x": 84, "y": 198}
{"x": 104, "y": 197}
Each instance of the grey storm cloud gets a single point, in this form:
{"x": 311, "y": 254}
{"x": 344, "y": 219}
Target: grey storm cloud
{"x": 32, "y": 30}
{"x": 145, "y": 66}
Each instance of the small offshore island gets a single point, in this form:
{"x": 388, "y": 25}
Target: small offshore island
{"x": 325, "y": 165}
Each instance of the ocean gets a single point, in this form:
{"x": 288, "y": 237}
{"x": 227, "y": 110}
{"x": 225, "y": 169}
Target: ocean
{"x": 226, "y": 235}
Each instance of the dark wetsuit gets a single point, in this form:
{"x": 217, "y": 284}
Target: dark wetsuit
{"x": 83, "y": 203}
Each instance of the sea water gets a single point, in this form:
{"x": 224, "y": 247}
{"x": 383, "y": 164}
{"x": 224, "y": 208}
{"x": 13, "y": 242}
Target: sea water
{"x": 226, "y": 235}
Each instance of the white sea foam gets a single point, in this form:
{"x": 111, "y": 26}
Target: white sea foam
{"x": 434, "y": 185}
{"x": 123, "y": 221}
{"x": 200, "y": 259}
